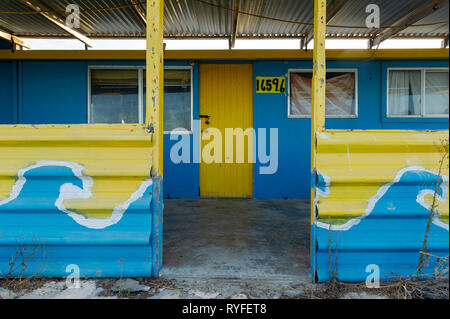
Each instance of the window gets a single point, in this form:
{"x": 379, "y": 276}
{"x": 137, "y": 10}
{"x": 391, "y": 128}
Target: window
{"x": 417, "y": 93}
{"x": 117, "y": 95}
{"x": 114, "y": 96}
{"x": 177, "y": 99}
{"x": 341, "y": 93}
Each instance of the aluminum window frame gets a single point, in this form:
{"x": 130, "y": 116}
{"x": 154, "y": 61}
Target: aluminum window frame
{"x": 331, "y": 70}
{"x": 190, "y": 68}
{"x": 140, "y": 69}
{"x": 423, "y": 71}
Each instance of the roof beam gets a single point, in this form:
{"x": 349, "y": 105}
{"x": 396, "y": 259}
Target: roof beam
{"x": 334, "y": 8}
{"x": 14, "y": 39}
{"x": 50, "y": 15}
{"x": 414, "y": 16}
{"x": 332, "y": 11}
{"x": 227, "y": 55}
{"x": 232, "y": 40}
{"x": 444, "y": 43}
{"x": 139, "y": 9}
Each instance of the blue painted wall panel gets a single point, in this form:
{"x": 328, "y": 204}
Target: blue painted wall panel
{"x": 390, "y": 234}
{"x": 53, "y": 92}
{"x": 46, "y": 94}
{"x": 181, "y": 180}
{"x": 41, "y": 234}
{"x": 270, "y": 110}
{"x": 4, "y": 44}
{"x": 8, "y": 85}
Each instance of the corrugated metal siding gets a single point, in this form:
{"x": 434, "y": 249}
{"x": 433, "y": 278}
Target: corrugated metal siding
{"x": 373, "y": 193}
{"x": 79, "y": 194}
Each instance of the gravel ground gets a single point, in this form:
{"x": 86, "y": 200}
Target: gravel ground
{"x": 221, "y": 288}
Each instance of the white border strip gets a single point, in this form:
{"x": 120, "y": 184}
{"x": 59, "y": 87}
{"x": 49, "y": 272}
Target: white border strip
{"x": 381, "y": 191}
{"x": 70, "y": 191}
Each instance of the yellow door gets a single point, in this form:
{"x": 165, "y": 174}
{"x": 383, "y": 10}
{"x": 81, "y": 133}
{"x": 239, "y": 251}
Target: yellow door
{"x": 226, "y": 102}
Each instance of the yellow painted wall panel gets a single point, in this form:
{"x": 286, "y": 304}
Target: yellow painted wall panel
{"x": 359, "y": 163}
{"x": 116, "y": 157}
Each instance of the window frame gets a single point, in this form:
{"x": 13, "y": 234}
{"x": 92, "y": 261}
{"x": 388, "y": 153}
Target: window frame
{"x": 141, "y": 69}
{"x": 117, "y": 67}
{"x": 423, "y": 71}
{"x": 184, "y": 67}
{"x": 344, "y": 70}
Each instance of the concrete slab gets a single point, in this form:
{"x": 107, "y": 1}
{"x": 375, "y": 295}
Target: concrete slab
{"x": 236, "y": 238}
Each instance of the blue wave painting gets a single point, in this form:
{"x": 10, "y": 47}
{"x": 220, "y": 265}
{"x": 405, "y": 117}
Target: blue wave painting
{"x": 390, "y": 234}
{"x": 34, "y": 215}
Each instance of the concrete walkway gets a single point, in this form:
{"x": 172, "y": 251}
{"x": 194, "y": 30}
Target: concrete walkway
{"x": 236, "y": 239}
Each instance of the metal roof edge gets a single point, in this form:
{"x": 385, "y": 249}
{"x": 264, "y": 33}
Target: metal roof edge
{"x": 332, "y": 54}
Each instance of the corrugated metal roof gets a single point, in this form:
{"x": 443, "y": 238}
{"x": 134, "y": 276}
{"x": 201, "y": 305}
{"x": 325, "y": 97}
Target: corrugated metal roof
{"x": 25, "y": 24}
{"x": 436, "y": 30}
{"x": 291, "y": 10}
{"x": 124, "y": 21}
{"x": 214, "y": 18}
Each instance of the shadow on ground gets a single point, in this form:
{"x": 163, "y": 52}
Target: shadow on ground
{"x": 236, "y": 239}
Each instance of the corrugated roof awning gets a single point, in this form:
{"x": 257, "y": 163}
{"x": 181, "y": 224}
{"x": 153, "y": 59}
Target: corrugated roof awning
{"x": 227, "y": 18}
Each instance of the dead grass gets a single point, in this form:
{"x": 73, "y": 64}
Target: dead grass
{"x": 19, "y": 264}
{"x": 398, "y": 289}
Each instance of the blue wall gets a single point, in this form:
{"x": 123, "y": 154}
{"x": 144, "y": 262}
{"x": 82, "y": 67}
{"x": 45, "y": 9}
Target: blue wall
{"x": 8, "y": 93}
{"x": 292, "y": 179}
{"x": 182, "y": 180}
{"x": 53, "y": 92}
{"x": 4, "y": 44}
{"x": 38, "y": 92}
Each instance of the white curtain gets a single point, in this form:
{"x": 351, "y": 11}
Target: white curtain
{"x": 404, "y": 92}
{"x": 436, "y": 90}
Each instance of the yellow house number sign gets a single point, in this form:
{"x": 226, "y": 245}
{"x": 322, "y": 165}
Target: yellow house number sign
{"x": 270, "y": 84}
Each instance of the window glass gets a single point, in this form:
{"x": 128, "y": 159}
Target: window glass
{"x": 177, "y": 99}
{"x": 418, "y": 93}
{"x": 436, "y": 93}
{"x": 405, "y": 92}
{"x": 114, "y": 96}
{"x": 340, "y": 94}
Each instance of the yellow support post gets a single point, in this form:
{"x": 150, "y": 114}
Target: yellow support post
{"x": 155, "y": 81}
{"x": 318, "y": 84}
